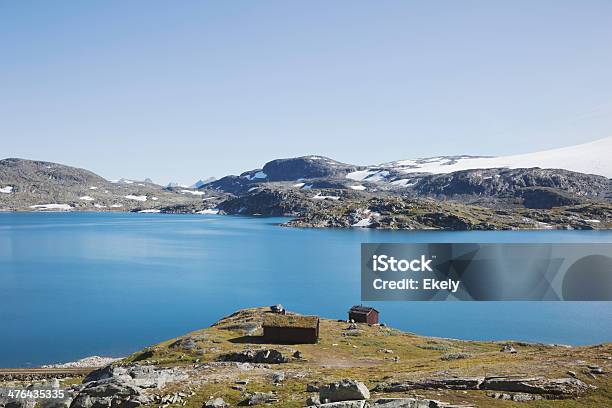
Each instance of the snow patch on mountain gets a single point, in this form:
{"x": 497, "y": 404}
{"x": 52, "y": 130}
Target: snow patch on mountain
{"x": 588, "y": 158}
{"x": 208, "y": 211}
{"x": 52, "y": 207}
{"x": 136, "y": 197}
{"x": 320, "y": 196}
{"x": 199, "y": 193}
{"x": 258, "y": 175}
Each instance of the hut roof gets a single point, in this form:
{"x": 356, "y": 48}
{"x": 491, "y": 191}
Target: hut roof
{"x": 278, "y": 320}
{"x": 362, "y": 309}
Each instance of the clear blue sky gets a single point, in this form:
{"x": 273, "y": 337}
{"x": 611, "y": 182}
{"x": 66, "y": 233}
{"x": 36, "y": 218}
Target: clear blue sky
{"x": 180, "y": 90}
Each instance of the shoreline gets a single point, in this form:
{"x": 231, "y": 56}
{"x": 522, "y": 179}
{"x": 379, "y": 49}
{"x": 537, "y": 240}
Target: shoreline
{"x": 293, "y": 222}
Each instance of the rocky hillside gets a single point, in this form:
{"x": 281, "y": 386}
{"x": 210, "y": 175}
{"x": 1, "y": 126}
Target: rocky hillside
{"x": 534, "y": 181}
{"x": 27, "y": 185}
{"x": 320, "y": 192}
{"x": 351, "y": 366}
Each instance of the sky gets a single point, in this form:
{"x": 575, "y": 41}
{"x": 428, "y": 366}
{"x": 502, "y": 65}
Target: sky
{"x": 178, "y": 91}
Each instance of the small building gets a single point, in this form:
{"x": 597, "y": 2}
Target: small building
{"x": 290, "y": 329}
{"x": 363, "y": 314}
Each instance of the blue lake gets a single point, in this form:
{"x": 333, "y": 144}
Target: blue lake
{"x": 80, "y": 284}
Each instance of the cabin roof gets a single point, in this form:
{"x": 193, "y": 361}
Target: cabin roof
{"x": 294, "y": 321}
{"x": 362, "y": 309}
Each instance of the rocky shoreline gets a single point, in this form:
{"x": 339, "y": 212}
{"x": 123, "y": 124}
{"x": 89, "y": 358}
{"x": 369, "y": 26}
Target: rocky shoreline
{"x": 86, "y": 362}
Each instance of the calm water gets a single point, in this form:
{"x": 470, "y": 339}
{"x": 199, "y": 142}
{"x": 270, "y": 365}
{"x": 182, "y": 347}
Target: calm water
{"x": 79, "y": 284}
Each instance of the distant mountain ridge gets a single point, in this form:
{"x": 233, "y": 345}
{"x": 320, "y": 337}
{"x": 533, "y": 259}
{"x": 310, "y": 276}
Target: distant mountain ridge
{"x": 39, "y": 185}
{"x": 320, "y": 191}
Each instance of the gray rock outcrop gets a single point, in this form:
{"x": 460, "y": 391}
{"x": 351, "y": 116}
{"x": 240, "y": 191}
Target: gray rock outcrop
{"x": 216, "y": 403}
{"x": 556, "y": 387}
{"x": 344, "y": 390}
{"x": 123, "y": 386}
{"x": 264, "y": 356}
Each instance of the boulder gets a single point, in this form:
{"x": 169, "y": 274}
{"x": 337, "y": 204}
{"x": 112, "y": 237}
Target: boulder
{"x": 344, "y": 390}
{"x": 277, "y": 309}
{"x": 123, "y": 386}
{"x": 343, "y": 404}
{"x": 312, "y": 388}
{"x": 533, "y": 385}
{"x": 107, "y": 392}
{"x": 264, "y": 356}
{"x": 453, "y": 383}
{"x": 188, "y": 344}
{"x": 414, "y": 403}
{"x": 536, "y": 385}
{"x": 507, "y": 348}
{"x": 516, "y": 397}
{"x": 261, "y": 398}
{"x": 216, "y": 403}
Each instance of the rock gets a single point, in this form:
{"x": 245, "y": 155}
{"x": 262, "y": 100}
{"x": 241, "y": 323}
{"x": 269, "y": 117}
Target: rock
{"x": 264, "y": 356}
{"x": 123, "y": 386}
{"x": 536, "y": 385}
{"x": 277, "y": 309}
{"x": 344, "y": 390}
{"x": 571, "y": 374}
{"x": 413, "y": 403}
{"x": 343, "y": 404}
{"x": 261, "y": 398}
{"x": 459, "y": 383}
{"x": 187, "y": 344}
{"x": 278, "y": 378}
{"x": 297, "y": 354}
{"x": 454, "y": 356}
{"x": 507, "y": 348}
{"x": 532, "y": 385}
{"x": 27, "y": 403}
{"x": 312, "y": 388}
{"x": 87, "y": 362}
{"x": 54, "y": 403}
{"x": 108, "y": 392}
{"x": 518, "y": 397}
{"x": 313, "y": 400}
{"x": 216, "y": 403}
{"x": 596, "y": 369}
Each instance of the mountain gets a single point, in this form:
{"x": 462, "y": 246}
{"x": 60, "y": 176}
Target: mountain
{"x": 39, "y": 185}
{"x": 503, "y": 182}
{"x": 305, "y": 167}
{"x": 319, "y": 191}
{"x": 174, "y": 184}
{"x": 201, "y": 183}
{"x": 588, "y": 158}
{"x": 518, "y": 192}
